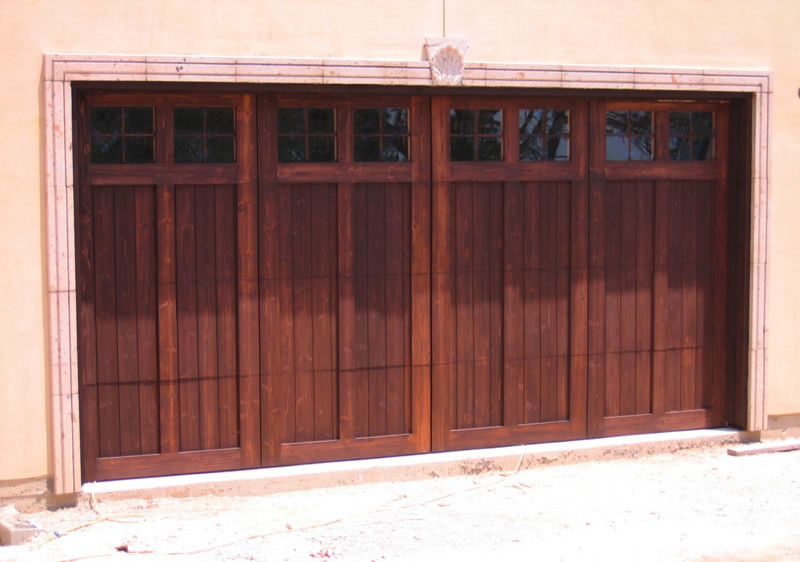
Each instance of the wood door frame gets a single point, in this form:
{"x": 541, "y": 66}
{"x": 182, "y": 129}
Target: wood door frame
{"x": 62, "y": 72}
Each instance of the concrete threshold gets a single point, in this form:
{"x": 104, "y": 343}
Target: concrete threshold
{"x": 281, "y": 479}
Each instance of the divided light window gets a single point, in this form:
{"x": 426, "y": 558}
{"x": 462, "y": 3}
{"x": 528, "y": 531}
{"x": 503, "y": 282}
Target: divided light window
{"x": 629, "y": 135}
{"x": 476, "y": 134}
{"x": 381, "y": 135}
{"x": 691, "y": 135}
{"x": 122, "y": 135}
{"x": 306, "y": 134}
{"x": 543, "y": 135}
{"x": 204, "y": 135}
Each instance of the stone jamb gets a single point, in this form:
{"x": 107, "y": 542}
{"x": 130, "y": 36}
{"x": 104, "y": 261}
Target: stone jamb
{"x": 60, "y": 71}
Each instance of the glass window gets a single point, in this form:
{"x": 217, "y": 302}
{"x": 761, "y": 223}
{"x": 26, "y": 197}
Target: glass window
{"x": 629, "y": 135}
{"x": 306, "y": 134}
{"x": 122, "y": 135}
{"x": 543, "y": 135}
{"x": 476, "y": 134}
{"x": 204, "y": 135}
{"x": 381, "y": 135}
{"x": 691, "y": 135}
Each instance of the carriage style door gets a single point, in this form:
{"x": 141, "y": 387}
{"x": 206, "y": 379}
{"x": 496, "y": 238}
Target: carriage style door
{"x": 280, "y": 279}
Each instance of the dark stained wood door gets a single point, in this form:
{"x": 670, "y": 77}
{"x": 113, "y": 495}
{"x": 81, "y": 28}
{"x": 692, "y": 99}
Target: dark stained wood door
{"x": 167, "y": 285}
{"x": 509, "y": 271}
{"x": 344, "y": 277}
{"x": 657, "y": 272}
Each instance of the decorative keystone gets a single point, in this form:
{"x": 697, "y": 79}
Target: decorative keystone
{"x": 446, "y": 57}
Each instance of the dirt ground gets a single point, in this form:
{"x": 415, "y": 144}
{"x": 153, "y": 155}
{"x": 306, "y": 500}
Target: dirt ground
{"x": 697, "y": 504}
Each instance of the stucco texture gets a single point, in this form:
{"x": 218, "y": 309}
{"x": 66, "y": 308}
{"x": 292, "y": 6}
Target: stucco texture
{"x": 674, "y": 33}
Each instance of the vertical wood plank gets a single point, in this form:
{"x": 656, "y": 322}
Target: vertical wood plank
{"x": 124, "y": 235}
{"x": 660, "y": 288}
{"x": 106, "y": 322}
{"x": 396, "y": 200}
{"x": 303, "y": 312}
{"x": 347, "y": 310}
{"x": 689, "y": 296}
{"x": 167, "y": 319}
{"x": 532, "y": 298}
{"x": 628, "y": 240}
{"x": 465, "y": 300}
{"x": 205, "y": 212}
{"x": 674, "y": 290}
{"x": 481, "y": 305}
{"x": 497, "y": 378}
{"x": 513, "y": 303}
{"x": 361, "y": 300}
{"x": 644, "y": 295}
{"x": 186, "y": 270}
{"x": 376, "y": 303}
{"x": 225, "y": 260}
{"x": 563, "y": 245}
{"x": 549, "y": 302}
{"x": 613, "y": 226}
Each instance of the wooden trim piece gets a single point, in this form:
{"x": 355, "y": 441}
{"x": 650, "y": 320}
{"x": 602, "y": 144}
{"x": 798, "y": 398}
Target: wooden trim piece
{"x": 141, "y": 174}
{"x": 351, "y": 172}
{"x": 348, "y": 449}
{"x": 191, "y": 462}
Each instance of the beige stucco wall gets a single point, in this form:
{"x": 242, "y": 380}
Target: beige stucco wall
{"x": 711, "y": 34}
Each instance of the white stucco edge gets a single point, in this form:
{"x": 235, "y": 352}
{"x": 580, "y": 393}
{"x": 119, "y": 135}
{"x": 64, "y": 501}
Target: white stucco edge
{"x": 61, "y": 70}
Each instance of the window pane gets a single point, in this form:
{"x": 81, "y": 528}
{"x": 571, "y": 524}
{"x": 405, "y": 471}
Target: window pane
{"x": 616, "y": 123}
{"x": 641, "y": 148}
{"x": 642, "y": 123}
{"x": 395, "y": 149}
{"x": 557, "y": 122}
{"x": 106, "y": 120}
{"x": 139, "y": 149}
{"x": 530, "y": 121}
{"x": 320, "y": 120}
{"x": 291, "y": 120}
{"x": 462, "y": 122}
{"x": 367, "y": 149}
{"x": 106, "y": 150}
{"x": 367, "y": 121}
{"x": 703, "y": 124}
{"x": 219, "y": 120}
{"x": 395, "y": 121}
{"x": 220, "y": 149}
{"x": 616, "y": 148}
{"x": 703, "y": 148}
{"x": 680, "y": 148}
{"x": 490, "y": 121}
{"x": 188, "y": 120}
{"x": 321, "y": 149}
{"x": 461, "y": 149}
{"x": 557, "y": 148}
{"x": 139, "y": 120}
{"x": 679, "y": 123}
{"x": 531, "y": 149}
{"x": 490, "y": 148}
{"x": 188, "y": 149}
{"x": 291, "y": 149}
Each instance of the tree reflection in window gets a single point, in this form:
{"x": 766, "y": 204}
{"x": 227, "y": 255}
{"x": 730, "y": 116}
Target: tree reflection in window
{"x": 629, "y": 135}
{"x": 543, "y": 135}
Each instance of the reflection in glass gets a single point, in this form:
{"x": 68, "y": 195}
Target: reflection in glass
{"x": 395, "y": 149}
{"x": 106, "y": 120}
{"x": 702, "y": 124}
{"x": 680, "y": 148}
{"x": 490, "y": 148}
{"x": 557, "y": 122}
{"x": 367, "y": 121}
{"x": 703, "y": 148}
{"x": 219, "y": 120}
{"x": 188, "y": 149}
{"x": 395, "y": 120}
{"x": 291, "y": 149}
{"x": 320, "y": 120}
{"x": 543, "y": 135}
{"x": 188, "y": 120}
{"x": 641, "y": 148}
{"x": 531, "y": 149}
{"x": 490, "y": 122}
{"x": 691, "y": 135}
{"x": 321, "y": 149}
{"x": 461, "y": 149}
{"x": 617, "y": 122}
{"x": 530, "y": 121}
{"x": 139, "y": 120}
{"x": 139, "y": 150}
{"x": 220, "y": 149}
{"x": 642, "y": 123}
{"x": 679, "y": 123}
{"x": 462, "y": 121}
{"x": 617, "y": 148}
{"x": 106, "y": 150}
{"x": 291, "y": 120}
{"x": 367, "y": 149}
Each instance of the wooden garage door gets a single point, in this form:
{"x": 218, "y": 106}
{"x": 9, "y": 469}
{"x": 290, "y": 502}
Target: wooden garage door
{"x": 167, "y": 284}
{"x": 344, "y": 303}
{"x": 657, "y": 259}
{"x": 509, "y": 271}
{"x": 291, "y": 278}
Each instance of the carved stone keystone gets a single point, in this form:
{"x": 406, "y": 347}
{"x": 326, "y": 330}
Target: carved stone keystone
{"x": 446, "y": 57}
